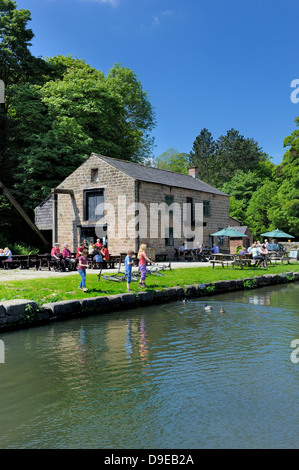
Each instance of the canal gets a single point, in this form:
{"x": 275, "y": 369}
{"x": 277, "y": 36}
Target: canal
{"x": 166, "y": 377}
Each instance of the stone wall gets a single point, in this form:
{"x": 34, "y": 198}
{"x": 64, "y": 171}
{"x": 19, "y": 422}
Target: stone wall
{"x": 70, "y": 215}
{"x": 44, "y": 214}
{"x": 218, "y": 218}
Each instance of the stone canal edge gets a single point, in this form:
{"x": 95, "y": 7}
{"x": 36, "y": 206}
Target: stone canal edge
{"x": 21, "y": 313}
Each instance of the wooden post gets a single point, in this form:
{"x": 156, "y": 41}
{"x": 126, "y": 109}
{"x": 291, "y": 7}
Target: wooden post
{"x": 23, "y": 213}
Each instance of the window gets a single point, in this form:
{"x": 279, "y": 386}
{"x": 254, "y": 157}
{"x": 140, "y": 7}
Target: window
{"x": 190, "y": 211}
{"x": 94, "y": 175}
{"x": 91, "y": 200}
{"x": 206, "y": 208}
{"x": 169, "y": 199}
{"x": 170, "y": 240}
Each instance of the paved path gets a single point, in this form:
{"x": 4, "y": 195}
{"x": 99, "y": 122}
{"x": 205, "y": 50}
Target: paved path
{"x": 23, "y": 274}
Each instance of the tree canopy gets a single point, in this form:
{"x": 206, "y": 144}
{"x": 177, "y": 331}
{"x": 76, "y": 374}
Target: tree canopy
{"x": 59, "y": 110}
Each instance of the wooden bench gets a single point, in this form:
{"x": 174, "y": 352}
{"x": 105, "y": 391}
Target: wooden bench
{"x": 278, "y": 258}
{"x": 17, "y": 261}
{"x": 161, "y": 256}
{"x": 222, "y": 259}
{"x": 244, "y": 261}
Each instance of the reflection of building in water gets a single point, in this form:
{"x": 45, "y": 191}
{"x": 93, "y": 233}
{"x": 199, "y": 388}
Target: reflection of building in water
{"x": 260, "y": 299}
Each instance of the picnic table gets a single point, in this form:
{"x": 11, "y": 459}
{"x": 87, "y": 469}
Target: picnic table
{"x": 222, "y": 258}
{"x": 275, "y": 256}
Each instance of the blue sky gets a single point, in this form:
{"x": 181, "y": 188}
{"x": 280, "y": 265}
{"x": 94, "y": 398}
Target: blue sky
{"x": 215, "y": 64}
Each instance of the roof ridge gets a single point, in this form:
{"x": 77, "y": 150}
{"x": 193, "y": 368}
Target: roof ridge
{"x": 206, "y": 186}
{"x": 152, "y": 167}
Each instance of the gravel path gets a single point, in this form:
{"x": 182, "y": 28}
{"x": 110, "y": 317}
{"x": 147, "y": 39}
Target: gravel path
{"x": 23, "y": 274}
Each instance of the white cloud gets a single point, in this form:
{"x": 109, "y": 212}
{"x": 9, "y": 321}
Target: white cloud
{"x": 156, "y": 20}
{"x": 113, "y": 3}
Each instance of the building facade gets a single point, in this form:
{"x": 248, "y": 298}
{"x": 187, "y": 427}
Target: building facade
{"x": 126, "y": 204}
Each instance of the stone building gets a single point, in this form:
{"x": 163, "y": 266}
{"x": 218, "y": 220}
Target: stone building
{"x": 123, "y": 202}
{"x": 235, "y": 242}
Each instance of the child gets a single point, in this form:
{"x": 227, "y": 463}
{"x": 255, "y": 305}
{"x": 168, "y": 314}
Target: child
{"x": 142, "y": 264}
{"x": 128, "y": 268}
{"x": 83, "y": 265}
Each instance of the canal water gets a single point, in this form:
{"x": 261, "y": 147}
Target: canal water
{"x": 166, "y": 377}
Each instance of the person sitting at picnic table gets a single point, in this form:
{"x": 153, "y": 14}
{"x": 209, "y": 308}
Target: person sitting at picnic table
{"x": 105, "y": 254}
{"x": 257, "y": 255}
{"x": 7, "y": 252}
{"x": 215, "y": 248}
{"x": 80, "y": 248}
{"x": 56, "y": 256}
{"x": 99, "y": 243}
{"x": 198, "y": 251}
{"x": 68, "y": 258}
{"x": 182, "y": 249}
{"x": 97, "y": 256}
{"x": 241, "y": 251}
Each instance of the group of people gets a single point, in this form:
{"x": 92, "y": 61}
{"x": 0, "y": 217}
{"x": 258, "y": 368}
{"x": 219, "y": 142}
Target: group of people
{"x": 66, "y": 260}
{"x": 6, "y": 252}
{"x": 200, "y": 251}
{"x": 259, "y": 252}
{"x": 143, "y": 260}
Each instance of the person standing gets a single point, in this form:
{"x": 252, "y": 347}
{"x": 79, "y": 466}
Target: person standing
{"x": 128, "y": 268}
{"x": 82, "y": 266}
{"x": 143, "y": 259}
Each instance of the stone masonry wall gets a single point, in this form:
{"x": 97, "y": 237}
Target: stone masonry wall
{"x": 71, "y": 210}
{"x": 218, "y": 218}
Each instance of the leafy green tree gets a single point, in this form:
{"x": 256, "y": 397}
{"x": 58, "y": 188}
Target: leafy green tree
{"x": 235, "y": 152}
{"x": 17, "y": 67}
{"x": 172, "y": 160}
{"x": 259, "y": 214}
{"x": 202, "y": 155}
{"x": 139, "y": 116}
{"x": 286, "y": 214}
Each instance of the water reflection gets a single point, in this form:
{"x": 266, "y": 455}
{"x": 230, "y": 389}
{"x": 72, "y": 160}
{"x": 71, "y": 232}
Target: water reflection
{"x": 260, "y": 299}
{"x": 172, "y": 376}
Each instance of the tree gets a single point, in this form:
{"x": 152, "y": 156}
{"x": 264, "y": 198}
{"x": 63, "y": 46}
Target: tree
{"x": 286, "y": 214}
{"x": 202, "y": 155}
{"x": 17, "y": 66}
{"x": 259, "y": 215}
{"x": 139, "y": 116}
{"x": 235, "y": 152}
{"x": 172, "y": 160}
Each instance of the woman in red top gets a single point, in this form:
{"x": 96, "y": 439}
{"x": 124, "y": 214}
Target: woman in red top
{"x": 105, "y": 253}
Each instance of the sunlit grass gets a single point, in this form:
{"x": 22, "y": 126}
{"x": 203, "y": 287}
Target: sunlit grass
{"x": 46, "y": 290}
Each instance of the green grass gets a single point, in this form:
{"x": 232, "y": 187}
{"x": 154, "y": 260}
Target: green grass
{"x": 46, "y": 290}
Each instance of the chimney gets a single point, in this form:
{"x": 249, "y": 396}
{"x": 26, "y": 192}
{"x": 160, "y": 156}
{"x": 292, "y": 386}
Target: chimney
{"x": 193, "y": 171}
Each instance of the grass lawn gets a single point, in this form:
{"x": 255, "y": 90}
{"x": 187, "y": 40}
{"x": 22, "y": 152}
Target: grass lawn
{"x": 46, "y": 290}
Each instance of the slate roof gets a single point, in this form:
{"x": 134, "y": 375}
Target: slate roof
{"x": 155, "y": 175}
